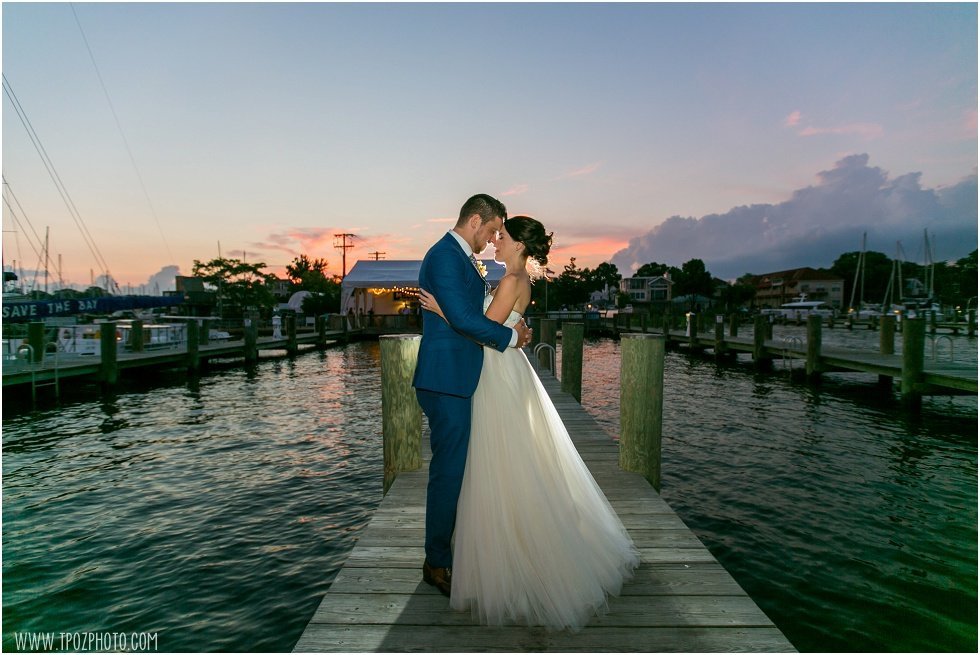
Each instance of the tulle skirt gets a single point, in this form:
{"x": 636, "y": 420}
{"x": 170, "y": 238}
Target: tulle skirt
{"x": 536, "y": 541}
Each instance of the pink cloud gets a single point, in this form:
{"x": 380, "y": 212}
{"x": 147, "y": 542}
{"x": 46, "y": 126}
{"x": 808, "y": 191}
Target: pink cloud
{"x": 864, "y": 130}
{"x": 793, "y": 119}
{"x": 579, "y": 172}
{"x": 516, "y": 190}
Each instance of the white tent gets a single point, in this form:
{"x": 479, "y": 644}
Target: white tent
{"x": 394, "y": 275}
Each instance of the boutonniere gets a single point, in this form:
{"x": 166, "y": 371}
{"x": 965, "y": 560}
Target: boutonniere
{"x": 481, "y": 267}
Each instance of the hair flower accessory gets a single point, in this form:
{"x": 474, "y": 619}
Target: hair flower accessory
{"x": 480, "y": 266}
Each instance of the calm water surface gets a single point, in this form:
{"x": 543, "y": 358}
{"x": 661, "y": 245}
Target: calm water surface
{"x": 216, "y": 512}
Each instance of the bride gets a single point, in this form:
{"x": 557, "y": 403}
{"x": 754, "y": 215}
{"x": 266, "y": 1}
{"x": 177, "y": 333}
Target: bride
{"x": 536, "y": 541}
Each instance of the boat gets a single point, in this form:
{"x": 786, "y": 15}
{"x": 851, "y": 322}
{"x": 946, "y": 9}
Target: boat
{"x": 800, "y": 308}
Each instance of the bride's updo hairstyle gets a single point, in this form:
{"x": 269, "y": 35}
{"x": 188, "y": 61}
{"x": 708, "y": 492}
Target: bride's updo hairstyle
{"x": 537, "y": 244}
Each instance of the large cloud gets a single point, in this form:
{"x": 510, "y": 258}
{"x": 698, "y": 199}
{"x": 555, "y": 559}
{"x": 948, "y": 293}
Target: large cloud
{"x": 817, "y": 224}
{"x": 164, "y": 280}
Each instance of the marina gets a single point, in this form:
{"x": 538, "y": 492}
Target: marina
{"x": 850, "y": 523}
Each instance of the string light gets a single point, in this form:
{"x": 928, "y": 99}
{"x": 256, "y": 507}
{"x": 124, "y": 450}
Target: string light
{"x": 380, "y": 291}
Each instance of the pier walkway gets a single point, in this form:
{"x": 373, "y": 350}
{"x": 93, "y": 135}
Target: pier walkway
{"x": 681, "y": 598}
{"x": 59, "y": 366}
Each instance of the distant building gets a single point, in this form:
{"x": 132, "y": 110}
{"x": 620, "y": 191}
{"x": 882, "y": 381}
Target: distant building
{"x": 646, "y": 289}
{"x": 780, "y": 287}
{"x": 280, "y": 288}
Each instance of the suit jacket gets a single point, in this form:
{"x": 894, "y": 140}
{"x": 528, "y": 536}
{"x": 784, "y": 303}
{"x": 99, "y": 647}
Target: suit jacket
{"x": 450, "y": 355}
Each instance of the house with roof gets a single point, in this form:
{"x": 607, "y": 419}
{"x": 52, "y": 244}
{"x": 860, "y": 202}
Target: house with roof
{"x": 780, "y": 287}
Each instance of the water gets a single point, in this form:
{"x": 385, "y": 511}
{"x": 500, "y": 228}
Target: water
{"x": 852, "y": 524}
{"x": 216, "y": 512}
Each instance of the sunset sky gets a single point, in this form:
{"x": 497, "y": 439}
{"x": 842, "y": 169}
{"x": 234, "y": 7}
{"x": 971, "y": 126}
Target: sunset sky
{"x": 756, "y": 137}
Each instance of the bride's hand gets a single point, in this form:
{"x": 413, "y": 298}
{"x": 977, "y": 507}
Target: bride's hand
{"x": 428, "y": 302}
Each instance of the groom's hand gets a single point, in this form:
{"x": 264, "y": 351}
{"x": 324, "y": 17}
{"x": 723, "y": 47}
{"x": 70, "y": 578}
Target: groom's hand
{"x": 523, "y": 333}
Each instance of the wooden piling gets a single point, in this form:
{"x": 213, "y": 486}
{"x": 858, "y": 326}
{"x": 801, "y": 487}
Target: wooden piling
{"x": 401, "y": 416}
{"x": 291, "y": 346}
{"x": 204, "y": 336}
{"x": 971, "y": 323}
{"x": 913, "y": 360}
{"x": 251, "y": 340}
{"x": 35, "y": 337}
{"x": 321, "y": 331}
{"x": 720, "y": 335}
{"x": 572, "y": 339}
{"x": 136, "y": 336}
{"x": 759, "y": 333}
{"x": 109, "y": 369}
{"x": 535, "y": 326}
{"x": 814, "y": 336}
{"x": 549, "y": 335}
{"x": 193, "y": 345}
{"x": 886, "y": 338}
{"x": 641, "y": 403}
{"x": 692, "y": 329}
{"x": 733, "y": 325}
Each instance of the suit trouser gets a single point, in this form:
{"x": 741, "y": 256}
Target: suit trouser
{"x": 449, "y": 424}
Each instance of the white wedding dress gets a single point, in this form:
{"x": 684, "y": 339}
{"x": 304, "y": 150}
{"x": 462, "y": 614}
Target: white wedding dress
{"x": 536, "y": 541}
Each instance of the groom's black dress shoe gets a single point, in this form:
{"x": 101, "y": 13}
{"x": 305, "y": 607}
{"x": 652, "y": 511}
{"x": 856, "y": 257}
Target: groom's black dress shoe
{"x": 441, "y": 578}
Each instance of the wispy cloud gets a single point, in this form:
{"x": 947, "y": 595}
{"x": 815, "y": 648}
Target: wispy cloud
{"x": 440, "y": 220}
{"x": 516, "y": 190}
{"x": 863, "y": 130}
{"x": 793, "y": 119}
{"x": 581, "y": 172}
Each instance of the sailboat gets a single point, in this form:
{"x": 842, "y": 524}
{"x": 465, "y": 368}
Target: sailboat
{"x": 860, "y": 311}
{"x": 912, "y": 296}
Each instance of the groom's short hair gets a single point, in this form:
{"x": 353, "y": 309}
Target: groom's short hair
{"x": 486, "y": 206}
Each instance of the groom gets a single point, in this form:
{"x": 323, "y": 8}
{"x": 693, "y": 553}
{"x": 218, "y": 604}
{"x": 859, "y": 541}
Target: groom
{"x": 449, "y": 365}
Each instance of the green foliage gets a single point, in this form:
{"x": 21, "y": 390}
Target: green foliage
{"x": 240, "y": 286}
{"x": 877, "y": 271}
{"x": 311, "y": 275}
{"x": 693, "y": 278}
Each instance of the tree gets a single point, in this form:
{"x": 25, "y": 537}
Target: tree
{"x": 604, "y": 276}
{"x": 693, "y": 278}
{"x": 571, "y": 288}
{"x": 311, "y": 275}
{"x": 240, "y": 286}
{"x": 653, "y": 269}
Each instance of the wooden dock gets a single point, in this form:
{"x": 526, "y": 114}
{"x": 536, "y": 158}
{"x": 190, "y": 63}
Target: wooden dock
{"x": 61, "y": 365}
{"x": 681, "y": 598}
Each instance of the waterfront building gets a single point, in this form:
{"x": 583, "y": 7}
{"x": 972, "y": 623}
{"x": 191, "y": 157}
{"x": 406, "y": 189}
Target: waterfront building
{"x": 391, "y": 286}
{"x": 647, "y": 290}
{"x": 778, "y": 288}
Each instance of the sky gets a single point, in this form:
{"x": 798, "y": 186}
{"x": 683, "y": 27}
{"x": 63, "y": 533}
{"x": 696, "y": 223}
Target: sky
{"x": 756, "y": 137}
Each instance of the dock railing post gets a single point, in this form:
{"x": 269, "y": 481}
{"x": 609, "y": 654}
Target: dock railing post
{"x": 193, "y": 345}
{"x": 109, "y": 371}
{"x": 251, "y": 340}
{"x": 641, "y": 404}
{"x": 401, "y": 416}
{"x": 733, "y": 324}
{"x": 205, "y": 336}
{"x": 971, "y": 323}
{"x": 913, "y": 360}
{"x": 814, "y": 336}
{"x": 35, "y": 337}
{"x": 549, "y": 335}
{"x": 572, "y": 340}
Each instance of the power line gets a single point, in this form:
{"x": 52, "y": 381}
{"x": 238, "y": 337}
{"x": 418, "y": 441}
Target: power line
{"x": 343, "y": 247}
{"x": 53, "y": 174}
{"x": 129, "y": 151}
{"x": 377, "y": 255}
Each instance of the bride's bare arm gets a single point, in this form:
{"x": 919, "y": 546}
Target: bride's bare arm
{"x": 504, "y": 299}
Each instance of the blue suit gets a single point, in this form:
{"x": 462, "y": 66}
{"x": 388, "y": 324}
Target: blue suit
{"x": 448, "y": 370}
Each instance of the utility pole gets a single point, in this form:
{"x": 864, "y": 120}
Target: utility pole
{"x": 343, "y": 246}
{"x": 377, "y": 255}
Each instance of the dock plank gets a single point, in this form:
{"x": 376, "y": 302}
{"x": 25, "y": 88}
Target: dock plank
{"x": 679, "y": 600}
